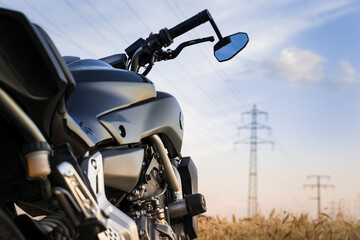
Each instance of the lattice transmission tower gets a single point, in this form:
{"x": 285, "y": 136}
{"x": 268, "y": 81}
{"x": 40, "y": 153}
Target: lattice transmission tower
{"x": 318, "y": 186}
{"x": 253, "y": 140}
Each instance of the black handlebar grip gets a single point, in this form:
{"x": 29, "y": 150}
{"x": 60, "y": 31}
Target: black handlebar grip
{"x": 189, "y": 24}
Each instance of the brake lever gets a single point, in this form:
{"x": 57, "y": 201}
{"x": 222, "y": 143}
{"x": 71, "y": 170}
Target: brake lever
{"x": 171, "y": 54}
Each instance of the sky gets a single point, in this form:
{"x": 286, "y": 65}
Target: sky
{"x": 301, "y": 66}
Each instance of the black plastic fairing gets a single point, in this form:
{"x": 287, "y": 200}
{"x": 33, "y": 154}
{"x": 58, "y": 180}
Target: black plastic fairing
{"x": 189, "y": 182}
{"x": 31, "y": 70}
{"x": 189, "y": 176}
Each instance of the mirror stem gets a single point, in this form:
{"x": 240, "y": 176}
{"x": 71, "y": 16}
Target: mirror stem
{"x": 216, "y": 29}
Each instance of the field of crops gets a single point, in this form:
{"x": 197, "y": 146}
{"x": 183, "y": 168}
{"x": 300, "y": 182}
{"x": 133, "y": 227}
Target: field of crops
{"x": 278, "y": 226}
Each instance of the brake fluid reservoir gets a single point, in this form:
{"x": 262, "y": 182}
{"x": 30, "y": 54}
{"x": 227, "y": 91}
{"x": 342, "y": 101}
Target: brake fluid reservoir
{"x": 37, "y": 159}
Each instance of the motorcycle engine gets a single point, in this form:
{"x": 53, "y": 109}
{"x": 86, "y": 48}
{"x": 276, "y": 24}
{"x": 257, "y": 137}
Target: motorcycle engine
{"x": 135, "y": 183}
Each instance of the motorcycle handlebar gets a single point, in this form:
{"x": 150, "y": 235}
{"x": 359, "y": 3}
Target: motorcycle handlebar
{"x": 164, "y": 38}
{"x": 198, "y": 19}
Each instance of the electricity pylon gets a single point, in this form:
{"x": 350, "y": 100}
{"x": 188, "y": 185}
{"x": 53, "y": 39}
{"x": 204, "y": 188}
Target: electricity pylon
{"x": 253, "y": 140}
{"x": 318, "y": 186}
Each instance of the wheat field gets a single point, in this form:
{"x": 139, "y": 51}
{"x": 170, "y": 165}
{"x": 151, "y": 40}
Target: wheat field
{"x": 279, "y": 226}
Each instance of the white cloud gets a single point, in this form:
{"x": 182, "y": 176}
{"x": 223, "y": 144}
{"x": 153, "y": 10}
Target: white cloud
{"x": 295, "y": 65}
{"x": 345, "y": 75}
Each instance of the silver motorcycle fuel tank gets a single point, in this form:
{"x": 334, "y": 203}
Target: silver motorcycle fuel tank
{"x": 112, "y": 104}
{"x": 102, "y": 89}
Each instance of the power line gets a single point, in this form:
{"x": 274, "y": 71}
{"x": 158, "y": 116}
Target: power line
{"x": 90, "y": 24}
{"x": 289, "y": 157}
{"x": 285, "y": 170}
{"x": 223, "y": 76}
{"x": 109, "y": 25}
{"x": 215, "y": 135}
{"x": 254, "y": 140}
{"x": 318, "y": 185}
{"x": 215, "y": 102}
{"x": 219, "y": 70}
{"x": 190, "y": 101}
{"x": 64, "y": 35}
{"x": 136, "y": 15}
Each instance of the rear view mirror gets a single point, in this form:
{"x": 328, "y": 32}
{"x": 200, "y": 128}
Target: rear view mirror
{"x": 229, "y": 46}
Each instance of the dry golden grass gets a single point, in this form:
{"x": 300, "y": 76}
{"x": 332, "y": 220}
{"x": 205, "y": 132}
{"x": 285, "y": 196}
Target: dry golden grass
{"x": 278, "y": 226}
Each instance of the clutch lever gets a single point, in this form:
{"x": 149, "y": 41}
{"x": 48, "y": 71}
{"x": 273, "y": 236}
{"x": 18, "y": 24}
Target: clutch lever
{"x": 171, "y": 54}
{"x": 164, "y": 55}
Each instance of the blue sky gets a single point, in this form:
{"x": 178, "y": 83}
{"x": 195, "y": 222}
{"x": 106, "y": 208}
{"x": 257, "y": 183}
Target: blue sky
{"x": 301, "y": 65}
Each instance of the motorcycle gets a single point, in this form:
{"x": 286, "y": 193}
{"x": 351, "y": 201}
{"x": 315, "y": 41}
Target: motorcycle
{"x": 90, "y": 150}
